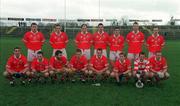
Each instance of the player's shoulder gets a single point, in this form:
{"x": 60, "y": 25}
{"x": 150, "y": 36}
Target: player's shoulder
{"x": 127, "y": 60}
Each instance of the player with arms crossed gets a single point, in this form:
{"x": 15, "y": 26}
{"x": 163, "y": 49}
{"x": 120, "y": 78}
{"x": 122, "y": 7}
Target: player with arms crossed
{"x": 58, "y": 40}
{"x": 155, "y": 42}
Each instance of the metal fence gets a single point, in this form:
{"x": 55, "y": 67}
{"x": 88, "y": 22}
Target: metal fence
{"x": 169, "y": 32}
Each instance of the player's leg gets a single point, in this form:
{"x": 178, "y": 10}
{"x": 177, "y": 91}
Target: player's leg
{"x": 9, "y": 76}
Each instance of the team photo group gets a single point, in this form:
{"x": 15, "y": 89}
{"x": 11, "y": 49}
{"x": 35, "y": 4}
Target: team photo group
{"x": 107, "y": 60}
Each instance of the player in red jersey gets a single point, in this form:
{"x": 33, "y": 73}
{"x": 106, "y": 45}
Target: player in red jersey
{"x": 100, "y": 39}
{"x": 16, "y": 67}
{"x": 57, "y": 65}
{"x": 78, "y": 65}
{"x": 116, "y": 44}
{"x": 59, "y": 40}
{"x": 33, "y": 41}
{"x": 99, "y": 65}
{"x": 155, "y": 42}
{"x": 84, "y": 41}
{"x": 122, "y": 68}
{"x": 158, "y": 67}
{"x": 135, "y": 40}
{"x": 40, "y": 66}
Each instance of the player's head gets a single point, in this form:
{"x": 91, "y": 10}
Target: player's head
{"x": 84, "y": 28}
{"x": 122, "y": 56}
{"x": 99, "y": 52}
{"x": 57, "y": 28}
{"x": 58, "y": 54}
{"x": 34, "y": 27}
{"x": 39, "y": 55}
{"x": 158, "y": 55}
{"x": 155, "y": 30}
{"x": 78, "y": 52}
{"x": 142, "y": 56}
{"x": 116, "y": 31}
{"x": 17, "y": 51}
{"x": 100, "y": 27}
{"x": 135, "y": 26}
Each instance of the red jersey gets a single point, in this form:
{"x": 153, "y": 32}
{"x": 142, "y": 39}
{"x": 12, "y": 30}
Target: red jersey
{"x": 157, "y": 65}
{"x": 17, "y": 64}
{"x": 78, "y": 63}
{"x": 58, "y": 41}
{"x": 116, "y": 43}
{"x": 33, "y": 41}
{"x": 100, "y": 40}
{"x": 141, "y": 65}
{"x": 83, "y": 41}
{"x": 135, "y": 42}
{"x": 40, "y": 66}
{"x": 122, "y": 66}
{"x": 58, "y": 64}
{"x": 98, "y": 63}
{"x": 155, "y": 43}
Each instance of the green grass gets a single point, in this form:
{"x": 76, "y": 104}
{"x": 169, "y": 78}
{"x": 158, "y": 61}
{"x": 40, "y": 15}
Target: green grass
{"x": 68, "y": 94}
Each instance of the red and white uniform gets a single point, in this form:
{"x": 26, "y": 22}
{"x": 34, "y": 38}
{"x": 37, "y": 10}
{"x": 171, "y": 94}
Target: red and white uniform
{"x": 116, "y": 43}
{"x": 17, "y": 64}
{"x": 33, "y": 41}
{"x": 98, "y": 63}
{"x": 57, "y": 64}
{"x": 78, "y": 63}
{"x": 141, "y": 65}
{"x": 135, "y": 42}
{"x": 155, "y": 43}
{"x": 40, "y": 65}
{"x": 83, "y": 41}
{"x": 122, "y": 66}
{"x": 157, "y": 66}
{"x": 100, "y": 40}
{"x": 58, "y": 41}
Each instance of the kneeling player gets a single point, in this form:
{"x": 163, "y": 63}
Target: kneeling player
{"x": 16, "y": 67}
{"x": 99, "y": 65}
{"x": 40, "y": 66}
{"x": 122, "y": 68}
{"x": 158, "y": 67}
{"x": 141, "y": 66}
{"x": 78, "y": 65}
{"x": 57, "y": 65}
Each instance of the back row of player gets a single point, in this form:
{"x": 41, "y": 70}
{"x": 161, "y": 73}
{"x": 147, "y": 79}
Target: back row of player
{"x": 83, "y": 40}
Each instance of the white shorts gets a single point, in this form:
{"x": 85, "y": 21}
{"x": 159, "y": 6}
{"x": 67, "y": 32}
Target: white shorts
{"x": 32, "y": 54}
{"x": 151, "y": 54}
{"x": 87, "y": 53}
{"x": 63, "y": 52}
{"x": 132, "y": 56}
{"x": 114, "y": 55}
{"x": 103, "y": 52}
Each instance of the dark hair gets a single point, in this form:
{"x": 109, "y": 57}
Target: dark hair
{"x": 33, "y": 24}
{"x": 83, "y": 25}
{"x": 40, "y": 52}
{"x": 57, "y": 25}
{"x": 135, "y": 22}
{"x": 58, "y": 52}
{"x": 99, "y": 49}
{"x": 155, "y": 27}
{"x": 17, "y": 48}
{"x": 78, "y": 50}
{"x": 122, "y": 54}
{"x": 141, "y": 53}
{"x": 116, "y": 27}
{"x": 100, "y": 24}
